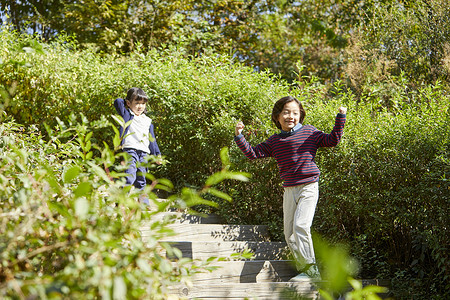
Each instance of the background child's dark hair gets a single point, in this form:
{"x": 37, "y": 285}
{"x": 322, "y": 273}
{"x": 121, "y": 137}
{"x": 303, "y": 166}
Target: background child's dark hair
{"x": 136, "y": 94}
{"x": 278, "y": 108}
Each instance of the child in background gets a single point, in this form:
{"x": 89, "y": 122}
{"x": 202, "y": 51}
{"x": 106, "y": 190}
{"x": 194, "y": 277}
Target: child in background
{"x": 139, "y": 137}
{"x": 294, "y": 149}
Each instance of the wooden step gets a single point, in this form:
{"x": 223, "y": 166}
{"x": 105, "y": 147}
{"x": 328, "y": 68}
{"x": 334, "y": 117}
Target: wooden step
{"x": 204, "y": 250}
{"x": 307, "y": 289}
{"x": 265, "y": 276}
{"x": 260, "y": 291}
{"x": 250, "y": 271}
{"x": 213, "y": 232}
{"x": 185, "y": 218}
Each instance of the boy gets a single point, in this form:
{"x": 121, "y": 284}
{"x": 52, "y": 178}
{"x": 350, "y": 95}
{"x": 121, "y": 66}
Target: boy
{"x": 294, "y": 149}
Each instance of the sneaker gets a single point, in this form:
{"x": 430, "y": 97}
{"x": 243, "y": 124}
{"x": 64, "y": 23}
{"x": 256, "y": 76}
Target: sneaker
{"x": 299, "y": 277}
{"x": 313, "y": 272}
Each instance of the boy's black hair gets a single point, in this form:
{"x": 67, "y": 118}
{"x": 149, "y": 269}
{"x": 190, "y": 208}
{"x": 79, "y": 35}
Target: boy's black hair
{"x": 136, "y": 94}
{"x": 278, "y": 108}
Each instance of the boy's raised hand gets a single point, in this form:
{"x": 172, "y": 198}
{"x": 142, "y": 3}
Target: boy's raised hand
{"x": 239, "y": 127}
{"x": 342, "y": 110}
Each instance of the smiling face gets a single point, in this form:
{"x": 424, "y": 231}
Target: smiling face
{"x": 137, "y": 106}
{"x": 289, "y": 116}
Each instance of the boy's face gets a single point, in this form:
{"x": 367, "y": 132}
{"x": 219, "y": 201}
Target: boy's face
{"x": 137, "y": 106}
{"x": 289, "y": 116}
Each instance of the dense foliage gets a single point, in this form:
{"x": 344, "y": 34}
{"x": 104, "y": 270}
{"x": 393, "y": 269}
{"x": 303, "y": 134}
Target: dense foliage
{"x": 384, "y": 189}
{"x": 70, "y": 229}
{"x": 67, "y": 230}
{"x": 327, "y": 38}
{"x": 406, "y": 39}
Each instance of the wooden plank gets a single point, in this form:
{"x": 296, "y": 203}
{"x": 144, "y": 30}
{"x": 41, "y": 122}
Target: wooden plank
{"x": 213, "y": 232}
{"x": 184, "y": 218}
{"x": 205, "y": 250}
{"x": 247, "y": 272}
{"x": 261, "y": 291}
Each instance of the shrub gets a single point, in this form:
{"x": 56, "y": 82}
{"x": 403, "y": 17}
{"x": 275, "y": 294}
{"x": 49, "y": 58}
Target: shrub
{"x": 386, "y": 190}
{"x": 194, "y": 103}
{"x": 67, "y": 229}
{"x": 70, "y": 229}
{"x": 376, "y": 185}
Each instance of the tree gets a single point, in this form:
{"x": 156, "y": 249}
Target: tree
{"x": 405, "y": 38}
{"x": 264, "y": 34}
{"x": 309, "y": 37}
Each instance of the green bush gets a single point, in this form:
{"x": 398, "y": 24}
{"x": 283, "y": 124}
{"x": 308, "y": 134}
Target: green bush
{"x": 71, "y": 229}
{"x": 68, "y": 230}
{"x": 194, "y": 103}
{"x": 384, "y": 189}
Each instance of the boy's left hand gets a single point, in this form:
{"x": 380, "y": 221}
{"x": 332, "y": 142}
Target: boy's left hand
{"x": 342, "y": 110}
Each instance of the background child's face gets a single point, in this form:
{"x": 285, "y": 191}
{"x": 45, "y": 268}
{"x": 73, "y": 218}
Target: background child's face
{"x": 137, "y": 106}
{"x": 289, "y": 116}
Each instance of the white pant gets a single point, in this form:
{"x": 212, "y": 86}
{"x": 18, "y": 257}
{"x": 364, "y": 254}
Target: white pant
{"x": 299, "y": 205}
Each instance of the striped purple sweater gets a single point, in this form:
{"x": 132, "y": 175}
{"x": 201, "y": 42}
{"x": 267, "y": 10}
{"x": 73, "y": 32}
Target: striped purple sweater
{"x": 295, "y": 151}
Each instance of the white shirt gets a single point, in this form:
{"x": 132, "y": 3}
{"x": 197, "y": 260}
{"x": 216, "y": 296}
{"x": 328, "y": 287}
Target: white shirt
{"x": 138, "y": 135}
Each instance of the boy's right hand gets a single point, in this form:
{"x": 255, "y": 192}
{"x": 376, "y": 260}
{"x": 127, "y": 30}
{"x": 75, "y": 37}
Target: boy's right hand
{"x": 239, "y": 127}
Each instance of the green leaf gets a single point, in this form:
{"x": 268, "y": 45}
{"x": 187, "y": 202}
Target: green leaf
{"x": 144, "y": 265}
{"x": 119, "y": 289}
{"x": 116, "y": 139}
{"x": 220, "y": 194}
{"x": 83, "y": 189}
{"x": 88, "y": 136}
{"x": 215, "y": 178}
{"x": 81, "y": 208}
{"x": 241, "y": 176}
{"x": 225, "y": 157}
{"x": 374, "y": 289}
{"x": 87, "y": 146}
{"x": 356, "y": 284}
{"x": 89, "y": 155}
{"x": 51, "y": 179}
{"x": 166, "y": 182}
{"x": 221, "y": 176}
{"x": 191, "y": 198}
{"x": 325, "y": 295}
{"x": 98, "y": 171}
{"x": 119, "y": 120}
{"x": 71, "y": 174}
{"x": 58, "y": 207}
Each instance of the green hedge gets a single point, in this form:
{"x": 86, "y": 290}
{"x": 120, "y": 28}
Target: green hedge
{"x": 387, "y": 191}
{"x": 67, "y": 230}
{"x": 384, "y": 189}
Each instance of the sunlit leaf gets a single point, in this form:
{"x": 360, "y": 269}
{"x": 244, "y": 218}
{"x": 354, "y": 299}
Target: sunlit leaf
{"x": 71, "y": 174}
{"x": 89, "y": 155}
{"x": 83, "y": 189}
{"x": 143, "y": 264}
{"x": 81, "y": 207}
{"x": 119, "y": 288}
{"x": 88, "y": 136}
{"x": 224, "y": 157}
{"x": 219, "y": 194}
{"x": 58, "y": 207}
{"x": 215, "y": 178}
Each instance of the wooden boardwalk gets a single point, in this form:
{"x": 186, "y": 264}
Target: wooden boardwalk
{"x": 265, "y": 276}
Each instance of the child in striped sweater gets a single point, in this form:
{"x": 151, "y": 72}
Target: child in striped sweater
{"x": 294, "y": 149}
